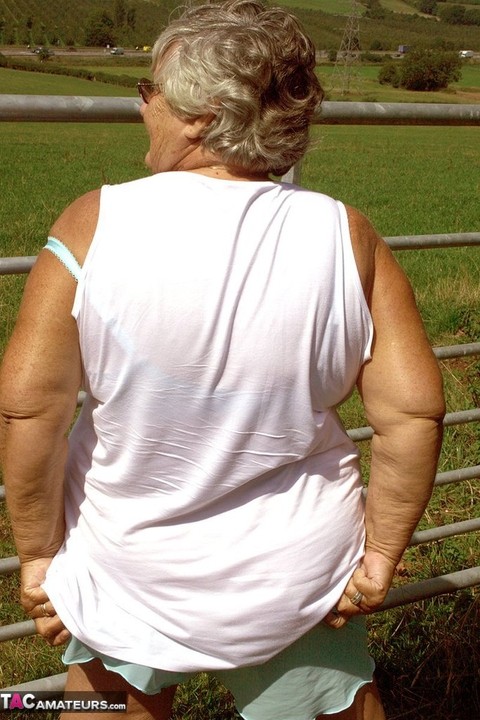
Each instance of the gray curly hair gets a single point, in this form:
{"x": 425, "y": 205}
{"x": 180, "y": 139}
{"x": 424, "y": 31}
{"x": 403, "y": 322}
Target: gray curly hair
{"x": 250, "y": 67}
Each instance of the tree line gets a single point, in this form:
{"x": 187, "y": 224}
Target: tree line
{"x": 84, "y": 22}
{"x": 450, "y": 13}
{"x": 137, "y": 22}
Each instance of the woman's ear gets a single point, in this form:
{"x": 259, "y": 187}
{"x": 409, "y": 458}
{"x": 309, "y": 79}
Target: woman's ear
{"x": 194, "y": 128}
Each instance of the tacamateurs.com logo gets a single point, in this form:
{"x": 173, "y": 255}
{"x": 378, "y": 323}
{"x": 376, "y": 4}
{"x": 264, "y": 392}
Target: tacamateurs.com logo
{"x": 71, "y": 702}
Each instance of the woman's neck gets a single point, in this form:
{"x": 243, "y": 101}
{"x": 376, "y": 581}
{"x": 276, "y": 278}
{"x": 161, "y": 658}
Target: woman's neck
{"x": 223, "y": 172}
{"x": 203, "y": 163}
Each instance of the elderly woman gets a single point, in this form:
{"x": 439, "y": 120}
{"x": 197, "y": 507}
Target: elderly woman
{"x": 206, "y": 512}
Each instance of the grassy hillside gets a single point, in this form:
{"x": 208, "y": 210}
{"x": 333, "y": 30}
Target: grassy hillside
{"x": 343, "y": 7}
{"x": 138, "y": 22}
{"x": 64, "y": 22}
{"x": 387, "y": 33}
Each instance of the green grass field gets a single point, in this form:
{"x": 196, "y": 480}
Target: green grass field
{"x": 408, "y": 180}
{"x": 33, "y": 83}
{"x": 363, "y": 82}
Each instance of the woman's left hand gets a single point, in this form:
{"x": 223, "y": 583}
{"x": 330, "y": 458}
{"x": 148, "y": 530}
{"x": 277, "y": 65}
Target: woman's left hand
{"x": 36, "y": 602}
{"x": 365, "y": 591}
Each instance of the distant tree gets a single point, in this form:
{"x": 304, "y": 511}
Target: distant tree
{"x": 54, "y": 37}
{"x": 370, "y": 57}
{"x": 100, "y": 30}
{"x": 429, "y": 70}
{"x": 131, "y": 18}
{"x": 13, "y": 38}
{"x": 389, "y": 74}
{"x": 452, "y": 14}
{"x": 472, "y": 17}
{"x": 442, "y": 44}
{"x": 120, "y": 13}
{"x": 429, "y": 7}
{"x": 375, "y": 10}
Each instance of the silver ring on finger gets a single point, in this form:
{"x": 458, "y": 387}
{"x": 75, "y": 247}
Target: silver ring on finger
{"x": 357, "y": 598}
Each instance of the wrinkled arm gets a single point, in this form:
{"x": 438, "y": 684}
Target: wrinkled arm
{"x": 401, "y": 388}
{"x": 39, "y": 382}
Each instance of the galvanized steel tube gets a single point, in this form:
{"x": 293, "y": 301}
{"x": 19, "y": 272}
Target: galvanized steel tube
{"x": 375, "y": 113}
{"x": 444, "y": 531}
{"x": 9, "y": 565}
{"x": 424, "y": 242}
{"x": 68, "y": 108}
{"x": 16, "y": 265}
{"x": 79, "y": 108}
{"x": 455, "y": 351}
{"x": 431, "y": 588}
{"x": 54, "y": 684}
{"x": 17, "y": 630}
{"x": 456, "y": 476}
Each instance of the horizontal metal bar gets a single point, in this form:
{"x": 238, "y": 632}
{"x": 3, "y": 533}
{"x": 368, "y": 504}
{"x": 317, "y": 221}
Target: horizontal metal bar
{"x": 455, "y": 351}
{"x": 17, "y": 630}
{"x": 9, "y": 565}
{"x": 375, "y": 113}
{"x": 69, "y": 108}
{"x": 54, "y": 684}
{"x": 429, "y": 242}
{"x": 444, "y": 531}
{"x": 457, "y": 418}
{"x": 462, "y": 417}
{"x": 78, "y": 108}
{"x": 431, "y": 588}
{"x": 16, "y": 265}
{"x": 460, "y": 475}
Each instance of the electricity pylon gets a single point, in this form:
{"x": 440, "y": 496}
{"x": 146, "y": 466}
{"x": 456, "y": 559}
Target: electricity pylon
{"x": 345, "y": 73}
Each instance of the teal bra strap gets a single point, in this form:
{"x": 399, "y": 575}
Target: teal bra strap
{"x": 65, "y": 256}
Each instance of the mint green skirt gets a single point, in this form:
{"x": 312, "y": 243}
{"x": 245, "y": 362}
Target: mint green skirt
{"x": 318, "y": 674}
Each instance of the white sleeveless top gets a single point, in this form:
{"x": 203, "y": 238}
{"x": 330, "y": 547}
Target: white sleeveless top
{"x": 213, "y": 499}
